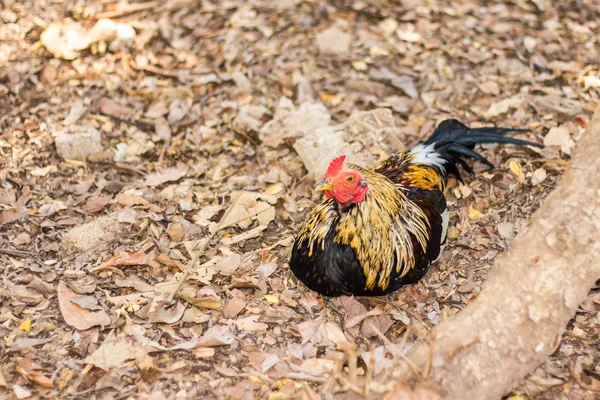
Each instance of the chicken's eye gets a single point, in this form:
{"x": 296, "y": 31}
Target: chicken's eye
{"x": 350, "y": 179}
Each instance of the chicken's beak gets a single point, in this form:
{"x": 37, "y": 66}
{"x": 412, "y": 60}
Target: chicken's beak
{"x": 324, "y": 185}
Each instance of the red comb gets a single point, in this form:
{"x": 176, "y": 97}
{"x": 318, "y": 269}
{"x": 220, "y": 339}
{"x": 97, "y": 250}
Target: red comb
{"x": 335, "y": 166}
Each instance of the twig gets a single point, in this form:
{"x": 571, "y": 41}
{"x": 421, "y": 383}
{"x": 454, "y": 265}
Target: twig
{"x": 128, "y": 9}
{"x": 370, "y": 368}
{"x": 16, "y": 253}
{"x": 429, "y": 357}
{"x": 305, "y": 377}
{"x": 271, "y": 247}
{"x": 399, "y": 353}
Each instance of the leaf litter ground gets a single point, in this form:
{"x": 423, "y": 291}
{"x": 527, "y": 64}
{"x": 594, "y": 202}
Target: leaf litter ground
{"x": 204, "y": 125}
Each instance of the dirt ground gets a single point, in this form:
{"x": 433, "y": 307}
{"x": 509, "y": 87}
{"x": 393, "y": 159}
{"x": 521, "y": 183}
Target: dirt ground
{"x": 190, "y": 114}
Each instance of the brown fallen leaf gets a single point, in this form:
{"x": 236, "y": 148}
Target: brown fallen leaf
{"x": 20, "y": 392}
{"x": 227, "y": 266}
{"x": 130, "y": 200}
{"x": 26, "y": 295}
{"x": 204, "y": 352}
{"x": 135, "y": 282}
{"x": 133, "y": 258}
{"x": 205, "y": 298}
{"x": 40, "y": 379}
{"x": 88, "y": 302}
{"x": 166, "y": 175}
{"x": 195, "y": 316}
{"x": 65, "y": 376}
{"x": 233, "y": 307}
{"x": 161, "y": 311}
{"x": 176, "y": 232}
{"x": 242, "y": 390}
{"x": 314, "y": 331}
{"x": 76, "y": 316}
{"x": 115, "y": 353}
{"x": 559, "y": 136}
{"x": 584, "y": 379}
{"x": 217, "y": 335}
{"x": 95, "y": 204}
{"x": 250, "y": 324}
{"x": 2, "y": 379}
{"x": 535, "y": 385}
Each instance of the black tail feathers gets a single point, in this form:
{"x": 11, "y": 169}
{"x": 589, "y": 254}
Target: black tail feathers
{"x": 454, "y": 141}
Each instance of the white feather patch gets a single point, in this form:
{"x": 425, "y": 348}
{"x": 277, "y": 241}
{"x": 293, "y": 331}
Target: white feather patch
{"x": 445, "y": 218}
{"x": 425, "y": 154}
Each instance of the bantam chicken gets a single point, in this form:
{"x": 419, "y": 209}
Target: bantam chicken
{"x": 381, "y": 228}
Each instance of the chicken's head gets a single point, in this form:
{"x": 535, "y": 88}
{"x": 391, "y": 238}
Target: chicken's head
{"x": 344, "y": 184}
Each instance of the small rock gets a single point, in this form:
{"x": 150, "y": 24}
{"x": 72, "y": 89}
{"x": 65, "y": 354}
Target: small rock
{"x": 578, "y": 332}
{"x": 333, "y": 41}
{"x": 78, "y": 145}
{"x": 93, "y": 235}
{"x": 65, "y": 40}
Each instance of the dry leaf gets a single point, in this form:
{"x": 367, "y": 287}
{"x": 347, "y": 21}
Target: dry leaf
{"x": 408, "y": 34}
{"x": 176, "y": 232}
{"x": 252, "y": 233}
{"x": 538, "y": 176}
{"x": 250, "y": 324}
{"x": 3, "y": 383}
{"x": 474, "y": 214}
{"x": 20, "y": 392}
{"x": 506, "y": 229}
{"x": 166, "y": 175}
{"x": 217, "y": 335}
{"x": 227, "y": 266}
{"x": 134, "y": 281}
{"x": 248, "y": 205}
{"x": 161, "y": 311}
{"x": 559, "y": 136}
{"x": 95, "y": 204}
{"x": 133, "y": 258}
{"x": 204, "y": 352}
{"x": 233, "y": 307}
{"x": 130, "y": 199}
{"x": 41, "y": 380}
{"x": 88, "y": 302}
{"x": 267, "y": 269}
{"x": 76, "y": 316}
{"x": 115, "y": 354}
{"x": 502, "y": 106}
{"x": 26, "y": 295}
{"x": 195, "y": 316}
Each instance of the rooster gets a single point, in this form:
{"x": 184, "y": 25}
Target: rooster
{"x": 381, "y": 228}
